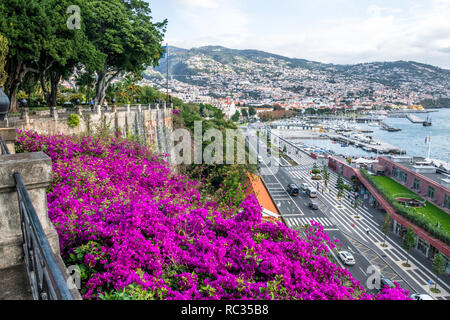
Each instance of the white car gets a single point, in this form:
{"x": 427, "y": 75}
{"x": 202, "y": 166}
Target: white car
{"x": 347, "y": 258}
{"x": 418, "y": 296}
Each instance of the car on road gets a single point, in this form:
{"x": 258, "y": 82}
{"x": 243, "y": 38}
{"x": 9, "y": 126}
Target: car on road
{"x": 260, "y": 159}
{"x": 292, "y": 189}
{"x": 304, "y": 187}
{"x": 386, "y": 282}
{"x": 313, "y": 205}
{"x": 347, "y": 258}
{"x": 311, "y": 192}
{"x": 421, "y": 296}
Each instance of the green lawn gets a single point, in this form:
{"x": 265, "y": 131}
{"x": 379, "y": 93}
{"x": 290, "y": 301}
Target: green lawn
{"x": 430, "y": 211}
{"x": 396, "y": 189}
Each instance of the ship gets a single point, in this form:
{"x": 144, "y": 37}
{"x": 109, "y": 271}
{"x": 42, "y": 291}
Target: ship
{"x": 427, "y": 123}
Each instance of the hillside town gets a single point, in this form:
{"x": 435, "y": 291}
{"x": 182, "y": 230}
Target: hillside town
{"x": 274, "y": 82}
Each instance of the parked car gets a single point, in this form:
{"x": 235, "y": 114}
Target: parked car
{"x": 292, "y": 189}
{"x": 386, "y": 282}
{"x": 421, "y": 296}
{"x": 313, "y": 205}
{"x": 347, "y": 258}
{"x": 304, "y": 187}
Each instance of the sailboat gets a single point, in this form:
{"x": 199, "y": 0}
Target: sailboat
{"x": 428, "y": 122}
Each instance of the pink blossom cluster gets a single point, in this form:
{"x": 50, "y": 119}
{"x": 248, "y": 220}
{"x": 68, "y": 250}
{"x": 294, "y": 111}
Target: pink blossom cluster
{"x": 127, "y": 220}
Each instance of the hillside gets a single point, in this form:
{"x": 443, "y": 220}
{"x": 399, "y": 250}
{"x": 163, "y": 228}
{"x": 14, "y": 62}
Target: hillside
{"x": 255, "y": 73}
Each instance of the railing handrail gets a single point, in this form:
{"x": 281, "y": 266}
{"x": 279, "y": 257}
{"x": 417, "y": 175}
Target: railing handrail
{"x": 3, "y": 146}
{"x": 58, "y": 288}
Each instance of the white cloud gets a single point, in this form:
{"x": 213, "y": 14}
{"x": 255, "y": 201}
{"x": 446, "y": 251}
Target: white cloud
{"x": 419, "y": 32}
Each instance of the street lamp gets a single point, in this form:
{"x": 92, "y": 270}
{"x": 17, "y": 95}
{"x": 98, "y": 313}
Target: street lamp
{"x": 4, "y": 105}
{"x": 23, "y": 104}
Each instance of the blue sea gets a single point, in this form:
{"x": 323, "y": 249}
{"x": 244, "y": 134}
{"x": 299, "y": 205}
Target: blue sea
{"x": 411, "y": 139}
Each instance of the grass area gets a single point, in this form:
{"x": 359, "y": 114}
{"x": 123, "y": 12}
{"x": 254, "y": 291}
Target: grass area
{"x": 430, "y": 211}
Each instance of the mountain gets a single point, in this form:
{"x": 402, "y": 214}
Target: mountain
{"x": 230, "y": 70}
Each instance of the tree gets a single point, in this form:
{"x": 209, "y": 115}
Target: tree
{"x": 3, "y": 56}
{"x": 409, "y": 241}
{"x": 236, "y": 116}
{"x": 340, "y": 182}
{"x": 438, "y": 266}
{"x": 244, "y": 113}
{"x": 252, "y": 112}
{"x": 124, "y": 32}
{"x": 325, "y": 175}
{"x": 26, "y": 25}
{"x": 387, "y": 226}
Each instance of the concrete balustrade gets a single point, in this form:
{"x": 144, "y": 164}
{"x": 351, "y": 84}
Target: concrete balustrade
{"x": 36, "y": 171}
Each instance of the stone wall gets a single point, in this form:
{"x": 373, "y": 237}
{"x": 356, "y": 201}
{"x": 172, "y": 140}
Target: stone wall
{"x": 148, "y": 122}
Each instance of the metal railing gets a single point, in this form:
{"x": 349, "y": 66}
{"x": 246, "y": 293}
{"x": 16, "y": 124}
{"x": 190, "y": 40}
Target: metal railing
{"x": 46, "y": 277}
{"x": 3, "y": 146}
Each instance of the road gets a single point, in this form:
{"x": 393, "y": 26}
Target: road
{"x": 342, "y": 221}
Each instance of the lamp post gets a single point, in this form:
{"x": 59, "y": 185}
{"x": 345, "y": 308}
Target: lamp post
{"x": 4, "y": 105}
{"x": 23, "y": 104}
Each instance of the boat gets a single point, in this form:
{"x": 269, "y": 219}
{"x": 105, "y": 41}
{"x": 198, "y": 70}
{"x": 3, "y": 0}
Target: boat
{"x": 427, "y": 123}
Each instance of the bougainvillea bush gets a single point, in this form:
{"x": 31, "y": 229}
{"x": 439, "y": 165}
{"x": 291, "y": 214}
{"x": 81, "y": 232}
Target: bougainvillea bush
{"x": 138, "y": 231}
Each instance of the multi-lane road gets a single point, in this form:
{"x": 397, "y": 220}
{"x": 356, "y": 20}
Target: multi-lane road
{"x": 358, "y": 229}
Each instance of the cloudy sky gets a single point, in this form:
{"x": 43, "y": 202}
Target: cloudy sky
{"x": 331, "y": 31}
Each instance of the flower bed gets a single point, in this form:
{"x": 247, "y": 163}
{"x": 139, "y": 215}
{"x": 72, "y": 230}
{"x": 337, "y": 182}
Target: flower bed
{"x": 139, "y": 232}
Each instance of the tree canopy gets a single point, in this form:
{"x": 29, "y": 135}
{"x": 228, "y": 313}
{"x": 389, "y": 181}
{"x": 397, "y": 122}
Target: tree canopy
{"x": 114, "y": 37}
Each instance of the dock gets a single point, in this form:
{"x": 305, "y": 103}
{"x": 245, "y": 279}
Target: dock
{"x": 388, "y": 127}
{"x": 415, "y": 119}
{"x": 381, "y": 147}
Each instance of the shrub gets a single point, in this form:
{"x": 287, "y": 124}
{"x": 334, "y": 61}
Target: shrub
{"x": 316, "y": 171}
{"x": 317, "y": 177}
{"x": 74, "y": 121}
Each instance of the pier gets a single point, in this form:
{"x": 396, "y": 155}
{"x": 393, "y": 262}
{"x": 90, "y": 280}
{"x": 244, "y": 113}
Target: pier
{"x": 377, "y": 146}
{"x": 414, "y": 119}
{"x": 388, "y": 127}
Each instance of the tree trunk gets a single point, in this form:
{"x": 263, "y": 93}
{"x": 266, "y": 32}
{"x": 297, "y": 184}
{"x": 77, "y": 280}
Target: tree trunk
{"x": 44, "y": 89}
{"x": 12, "y": 97}
{"x": 55, "y": 78}
{"x": 100, "y": 88}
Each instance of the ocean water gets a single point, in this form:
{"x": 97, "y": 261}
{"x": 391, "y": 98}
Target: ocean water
{"x": 411, "y": 139}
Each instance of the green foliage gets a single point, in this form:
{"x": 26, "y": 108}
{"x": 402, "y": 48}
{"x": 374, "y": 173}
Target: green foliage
{"x": 73, "y": 121}
{"x": 124, "y": 33}
{"x": 3, "y": 54}
{"x": 340, "y": 182}
{"x": 409, "y": 241}
{"x": 236, "y": 116}
{"x": 438, "y": 265}
{"x": 251, "y": 112}
{"x": 316, "y": 171}
{"x": 387, "y": 226}
{"x": 244, "y": 113}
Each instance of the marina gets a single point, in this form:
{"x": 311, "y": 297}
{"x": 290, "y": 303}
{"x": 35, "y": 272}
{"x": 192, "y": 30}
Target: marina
{"x": 371, "y": 138}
